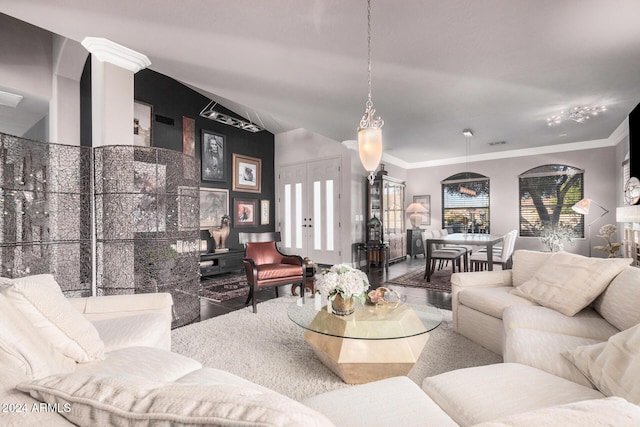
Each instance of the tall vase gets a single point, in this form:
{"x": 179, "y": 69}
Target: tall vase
{"x": 341, "y": 306}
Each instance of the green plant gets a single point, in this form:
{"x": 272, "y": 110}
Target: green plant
{"x": 606, "y": 231}
{"x": 162, "y": 253}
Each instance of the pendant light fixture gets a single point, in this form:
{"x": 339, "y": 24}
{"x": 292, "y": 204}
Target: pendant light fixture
{"x": 370, "y": 128}
{"x": 467, "y": 133}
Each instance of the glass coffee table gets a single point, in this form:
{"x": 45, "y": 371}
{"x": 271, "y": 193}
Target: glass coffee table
{"x": 375, "y": 342}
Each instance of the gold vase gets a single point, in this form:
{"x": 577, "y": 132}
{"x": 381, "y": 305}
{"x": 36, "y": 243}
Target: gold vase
{"x": 341, "y": 306}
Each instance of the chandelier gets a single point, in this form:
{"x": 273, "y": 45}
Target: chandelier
{"x": 370, "y": 128}
{"x": 577, "y": 114}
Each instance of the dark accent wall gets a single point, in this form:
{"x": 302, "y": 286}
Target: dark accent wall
{"x": 173, "y": 100}
{"x": 634, "y": 142}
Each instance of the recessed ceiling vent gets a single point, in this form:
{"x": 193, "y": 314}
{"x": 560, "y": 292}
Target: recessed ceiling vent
{"x": 498, "y": 143}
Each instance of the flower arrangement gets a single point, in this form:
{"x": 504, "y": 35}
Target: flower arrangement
{"x": 344, "y": 280}
{"x": 553, "y": 237}
{"x": 606, "y": 231}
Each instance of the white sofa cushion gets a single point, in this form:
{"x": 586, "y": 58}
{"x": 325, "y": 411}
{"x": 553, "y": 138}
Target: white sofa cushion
{"x": 620, "y": 301}
{"x": 150, "y": 363}
{"x": 612, "y": 411}
{"x": 612, "y": 366}
{"x": 396, "y": 401}
{"x": 568, "y": 282}
{"x": 484, "y": 393}
{"x": 491, "y": 301}
{"x": 525, "y": 265}
{"x": 126, "y": 400}
{"x": 133, "y": 331}
{"x": 586, "y": 324}
{"x": 53, "y": 318}
{"x": 543, "y": 350}
{"x": 23, "y": 350}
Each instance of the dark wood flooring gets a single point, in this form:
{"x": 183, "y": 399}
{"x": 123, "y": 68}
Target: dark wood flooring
{"x": 377, "y": 276}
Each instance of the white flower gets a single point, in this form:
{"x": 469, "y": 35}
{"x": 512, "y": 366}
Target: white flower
{"x": 342, "y": 279}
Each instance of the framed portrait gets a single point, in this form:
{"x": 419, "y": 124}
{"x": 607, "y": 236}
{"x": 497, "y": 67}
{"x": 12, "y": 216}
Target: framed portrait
{"x": 245, "y": 212}
{"x": 188, "y": 136}
{"x": 142, "y": 124}
{"x": 264, "y": 212}
{"x": 214, "y": 167}
{"x": 425, "y": 201}
{"x": 247, "y": 174}
{"x": 214, "y": 203}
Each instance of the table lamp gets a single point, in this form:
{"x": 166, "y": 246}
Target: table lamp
{"x": 416, "y": 210}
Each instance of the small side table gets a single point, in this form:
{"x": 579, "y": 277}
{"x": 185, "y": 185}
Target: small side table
{"x": 369, "y": 248}
{"x": 415, "y": 244}
{"x": 310, "y": 279}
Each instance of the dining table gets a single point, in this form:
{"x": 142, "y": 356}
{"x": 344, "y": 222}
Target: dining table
{"x": 464, "y": 239}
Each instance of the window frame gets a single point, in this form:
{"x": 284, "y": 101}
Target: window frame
{"x": 467, "y": 177}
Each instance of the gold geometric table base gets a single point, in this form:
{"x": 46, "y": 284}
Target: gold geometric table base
{"x": 359, "y": 361}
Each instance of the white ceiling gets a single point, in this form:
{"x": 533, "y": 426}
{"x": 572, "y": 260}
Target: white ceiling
{"x": 499, "y": 67}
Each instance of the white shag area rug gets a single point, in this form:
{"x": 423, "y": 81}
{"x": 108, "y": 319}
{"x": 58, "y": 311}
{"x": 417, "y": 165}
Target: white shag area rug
{"x": 269, "y": 349}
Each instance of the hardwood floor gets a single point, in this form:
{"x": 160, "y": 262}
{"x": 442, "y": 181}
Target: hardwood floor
{"x": 377, "y": 276}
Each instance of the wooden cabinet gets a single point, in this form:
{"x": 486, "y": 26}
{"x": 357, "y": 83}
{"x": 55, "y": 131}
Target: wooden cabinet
{"x": 415, "y": 245}
{"x": 385, "y": 201}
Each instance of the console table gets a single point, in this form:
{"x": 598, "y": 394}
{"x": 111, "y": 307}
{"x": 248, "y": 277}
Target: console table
{"x": 212, "y": 263}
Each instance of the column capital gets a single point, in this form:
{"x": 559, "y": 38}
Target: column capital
{"x": 107, "y": 51}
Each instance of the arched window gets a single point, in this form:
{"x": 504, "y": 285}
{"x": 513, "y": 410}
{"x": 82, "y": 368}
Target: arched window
{"x": 465, "y": 203}
{"x": 547, "y": 194}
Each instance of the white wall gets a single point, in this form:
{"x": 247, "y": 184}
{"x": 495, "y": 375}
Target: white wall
{"x": 601, "y": 172}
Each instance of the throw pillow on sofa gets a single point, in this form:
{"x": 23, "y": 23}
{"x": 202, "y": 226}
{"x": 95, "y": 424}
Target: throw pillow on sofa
{"x": 52, "y": 317}
{"x": 124, "y": 400}
{"x": 568, "y": 282}
{"x": 612, "y": 366}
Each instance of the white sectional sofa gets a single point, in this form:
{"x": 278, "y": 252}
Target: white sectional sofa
{"x": 106, "y": 361}
{"x": 591, "y": 351}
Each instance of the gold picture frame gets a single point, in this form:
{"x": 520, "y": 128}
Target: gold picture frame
{"x": 247, "y": 174}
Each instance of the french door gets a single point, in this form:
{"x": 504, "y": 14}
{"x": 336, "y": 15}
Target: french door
{"x": 309, "y": 207}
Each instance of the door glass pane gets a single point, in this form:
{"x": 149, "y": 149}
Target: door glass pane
{"x": 298, "y": 215}
{"x": 317, "y": 215}
{"x": 330, "y": 225}
{"x": 287, "y": 215}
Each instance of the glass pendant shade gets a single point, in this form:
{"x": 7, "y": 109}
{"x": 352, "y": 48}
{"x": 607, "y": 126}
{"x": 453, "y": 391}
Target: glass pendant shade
{"x": 370, "y": 148}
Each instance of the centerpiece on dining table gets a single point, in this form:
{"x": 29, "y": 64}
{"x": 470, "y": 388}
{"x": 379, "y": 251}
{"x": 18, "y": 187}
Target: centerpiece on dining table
{"x": 342, "y": 284}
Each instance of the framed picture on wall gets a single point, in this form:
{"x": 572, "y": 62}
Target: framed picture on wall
{"x": 264, "y": 212}
{"x": 247, "y": 174}
{"x": 425, "y": 201}
{"x": 188, "y": 136}
{"x": 245, "y": 212}
{"x": 142, "y": 124}
{"x": 214, "y": 203}
{"x": 214, "y": 166}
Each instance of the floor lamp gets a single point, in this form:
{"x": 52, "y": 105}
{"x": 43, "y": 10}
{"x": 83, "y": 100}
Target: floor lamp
{"x": 583, "y": 207}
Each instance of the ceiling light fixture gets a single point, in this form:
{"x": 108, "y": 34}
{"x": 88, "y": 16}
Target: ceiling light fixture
{"x": 9, "y": 99}
{"x": 577, "y": 114}
{"x": 211, "y": 114}
{"x": 370, "y": 128}
{"x": 468, "y": 133}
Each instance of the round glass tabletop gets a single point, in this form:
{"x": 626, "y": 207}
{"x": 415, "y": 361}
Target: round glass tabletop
{"x": 368, "y": 322}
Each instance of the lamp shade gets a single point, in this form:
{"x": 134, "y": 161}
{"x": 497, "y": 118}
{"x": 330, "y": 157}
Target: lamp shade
{"x": 370, "y": 148}
{"x": 416, "y": 210}
{"x": 582, "y": 207}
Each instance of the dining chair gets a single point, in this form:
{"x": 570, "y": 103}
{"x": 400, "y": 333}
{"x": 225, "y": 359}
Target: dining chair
{"x": 441, "y": 253}
{"x": 267, "y": 267}
{"x": 479, "y": 260}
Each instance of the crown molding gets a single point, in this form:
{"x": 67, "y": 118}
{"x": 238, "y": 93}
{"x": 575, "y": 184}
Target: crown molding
{"x": 107, "y": 51}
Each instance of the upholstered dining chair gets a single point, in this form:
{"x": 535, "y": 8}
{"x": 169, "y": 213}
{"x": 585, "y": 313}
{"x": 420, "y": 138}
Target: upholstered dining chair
{"x": 502, "y": 256}
{"x": 457, "y": 256}
{"x": 267, "y": 267}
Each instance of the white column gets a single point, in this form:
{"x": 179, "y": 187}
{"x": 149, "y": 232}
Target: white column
{"x": 112, "y": 70}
